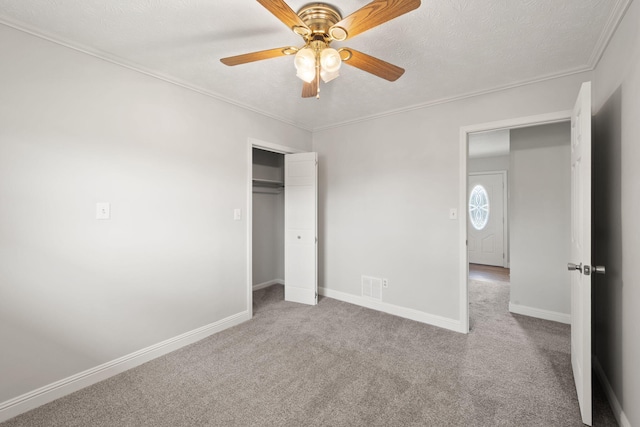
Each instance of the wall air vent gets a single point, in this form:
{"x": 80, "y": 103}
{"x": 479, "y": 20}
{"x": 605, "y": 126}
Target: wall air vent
{"x": 372, "y": 288}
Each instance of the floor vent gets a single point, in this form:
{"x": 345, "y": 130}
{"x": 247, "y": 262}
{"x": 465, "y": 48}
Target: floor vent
{"x": 372, "y": 288}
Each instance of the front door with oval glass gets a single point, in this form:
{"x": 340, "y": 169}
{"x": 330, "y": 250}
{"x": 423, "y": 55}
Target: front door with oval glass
{"x": 486, "y": 219}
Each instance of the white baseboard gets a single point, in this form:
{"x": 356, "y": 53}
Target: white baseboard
{"x": 396, "y": 310}
{"x": 48, "y": 393}
{"x": 540, "y": 314}
{"x": 267, "y": 284}
{"x": 623, "y": 421}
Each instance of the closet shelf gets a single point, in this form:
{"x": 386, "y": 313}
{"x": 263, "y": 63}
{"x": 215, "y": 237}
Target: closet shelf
{"x": 268, "y": 183}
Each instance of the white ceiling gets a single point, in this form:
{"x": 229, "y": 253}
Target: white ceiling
{"x": 449, "y": 48}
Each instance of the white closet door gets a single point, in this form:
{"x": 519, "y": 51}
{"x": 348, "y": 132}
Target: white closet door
{"x": 300, "y": 224}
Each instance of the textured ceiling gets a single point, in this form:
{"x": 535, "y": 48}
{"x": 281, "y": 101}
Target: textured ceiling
{"x": 449, "y": 48}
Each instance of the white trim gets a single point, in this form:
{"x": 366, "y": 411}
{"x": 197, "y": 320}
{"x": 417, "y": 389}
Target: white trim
{"x": 540, "y": 313}
{"x": 249, "y": 218}
{"x": 462, "y": 224}
{"x": 396, "y": 310}
{"x": 519, "y": 122}
{"x": 617, "y": 13}
{"x": 612, "y": 23}
{"x": 614, "y": 20}
{"x": 616, "y": 408}
{"x": 275, "y": 148}
{"x": 48, "y": 393}
{"x": 448, "y": 100}
{"x": 36, "y": 32}
{"x": 267, "y": 284}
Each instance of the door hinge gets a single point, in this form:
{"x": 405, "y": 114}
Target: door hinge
{"x": 316, "y": 240}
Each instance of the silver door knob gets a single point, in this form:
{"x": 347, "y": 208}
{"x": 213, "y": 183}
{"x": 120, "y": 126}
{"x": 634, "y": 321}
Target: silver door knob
{"x": 597, "y": 269}
{"x": 572, "y": 267}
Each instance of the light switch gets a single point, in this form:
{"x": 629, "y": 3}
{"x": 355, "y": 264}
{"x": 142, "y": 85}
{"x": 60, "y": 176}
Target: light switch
{"x": 103, "y": 210}
{"x": 237, "y": 214}
{"x": 453, "y": 213}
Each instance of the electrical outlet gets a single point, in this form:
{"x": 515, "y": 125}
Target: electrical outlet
{"x": 385, "y": 283}
{"x": 103, "y": 210}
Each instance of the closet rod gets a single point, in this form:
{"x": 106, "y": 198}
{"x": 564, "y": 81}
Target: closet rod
{"x": 267, "y": 182}
{"x": 267, "y": 190}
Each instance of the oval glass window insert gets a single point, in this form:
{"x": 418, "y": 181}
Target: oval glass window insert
{"x": 479, "y": 207}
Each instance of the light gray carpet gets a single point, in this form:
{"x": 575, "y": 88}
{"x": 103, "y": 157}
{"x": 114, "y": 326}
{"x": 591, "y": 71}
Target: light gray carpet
{"x": 341, "y": 365}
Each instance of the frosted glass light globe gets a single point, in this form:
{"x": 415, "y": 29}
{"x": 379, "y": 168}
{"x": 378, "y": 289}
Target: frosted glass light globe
{"x": 327, "y": 76}
{"x": 305, "y": 59}
{"x": 305, "y": 63}
{"x": 306, "y": 75}
{"x": 330, "y": 60}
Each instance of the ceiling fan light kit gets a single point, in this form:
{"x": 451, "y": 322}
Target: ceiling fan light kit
{"x": 319, "y": 24}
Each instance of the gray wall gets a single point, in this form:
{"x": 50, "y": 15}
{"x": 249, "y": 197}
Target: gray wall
{"x": 268, "y": 165}
{"x": 488, "y": 164}
{"x": 268, "y": 237}
{"x": 616, "y": 197}
{"x": 540, "y": 217}
{"x": 386, "y": 186}
{"x": 75, "y": 130}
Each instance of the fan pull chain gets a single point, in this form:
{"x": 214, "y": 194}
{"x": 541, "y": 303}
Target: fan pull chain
{"x": 318, "y": 75}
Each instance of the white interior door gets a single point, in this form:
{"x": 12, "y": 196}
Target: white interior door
{"x": 485, "y": 219}
{"x": 581, "y": 249}
{"x": 300, "y": 224}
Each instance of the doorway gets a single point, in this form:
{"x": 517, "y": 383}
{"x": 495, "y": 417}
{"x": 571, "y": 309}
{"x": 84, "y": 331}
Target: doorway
{"x": 507, "y": 125}
{"x": 270, "y": 192}
{"x": 268, "y": 218}
{"x": 540, "y": 214}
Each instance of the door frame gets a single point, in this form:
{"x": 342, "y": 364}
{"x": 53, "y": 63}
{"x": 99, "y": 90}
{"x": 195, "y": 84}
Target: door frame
{"x": 505, "y": 212}
{"x": 267, "y": 146}
{"x": 515, "y": 123}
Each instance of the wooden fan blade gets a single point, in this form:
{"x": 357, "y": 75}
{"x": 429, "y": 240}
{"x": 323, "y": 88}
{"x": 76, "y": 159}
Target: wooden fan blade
{"x": 371, "y": 15}
{"x": 257, "y": 56}
{"x": 310, "y": 90}
{"x": 284, "y": 13}
{"x": 372, "y": 65}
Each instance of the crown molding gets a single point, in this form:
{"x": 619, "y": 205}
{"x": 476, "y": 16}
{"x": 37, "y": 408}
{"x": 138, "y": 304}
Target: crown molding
{"x": 96, "y": 53}
{"x": 618, "y": 12}
{"x": 455, "y": 98}
{"x": 607, "y": 33}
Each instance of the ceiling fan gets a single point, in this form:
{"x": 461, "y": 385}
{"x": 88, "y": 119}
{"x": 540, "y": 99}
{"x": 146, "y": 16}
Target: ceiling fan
{"x": 319, "y": 24}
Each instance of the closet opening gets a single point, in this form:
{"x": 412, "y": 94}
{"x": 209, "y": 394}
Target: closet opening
{"x": 267, "y": 219}
{"x": 282, "y": 226}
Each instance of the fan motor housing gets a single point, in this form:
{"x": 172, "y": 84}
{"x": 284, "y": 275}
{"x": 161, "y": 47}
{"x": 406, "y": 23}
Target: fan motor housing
{"x": 319, "y": 17}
